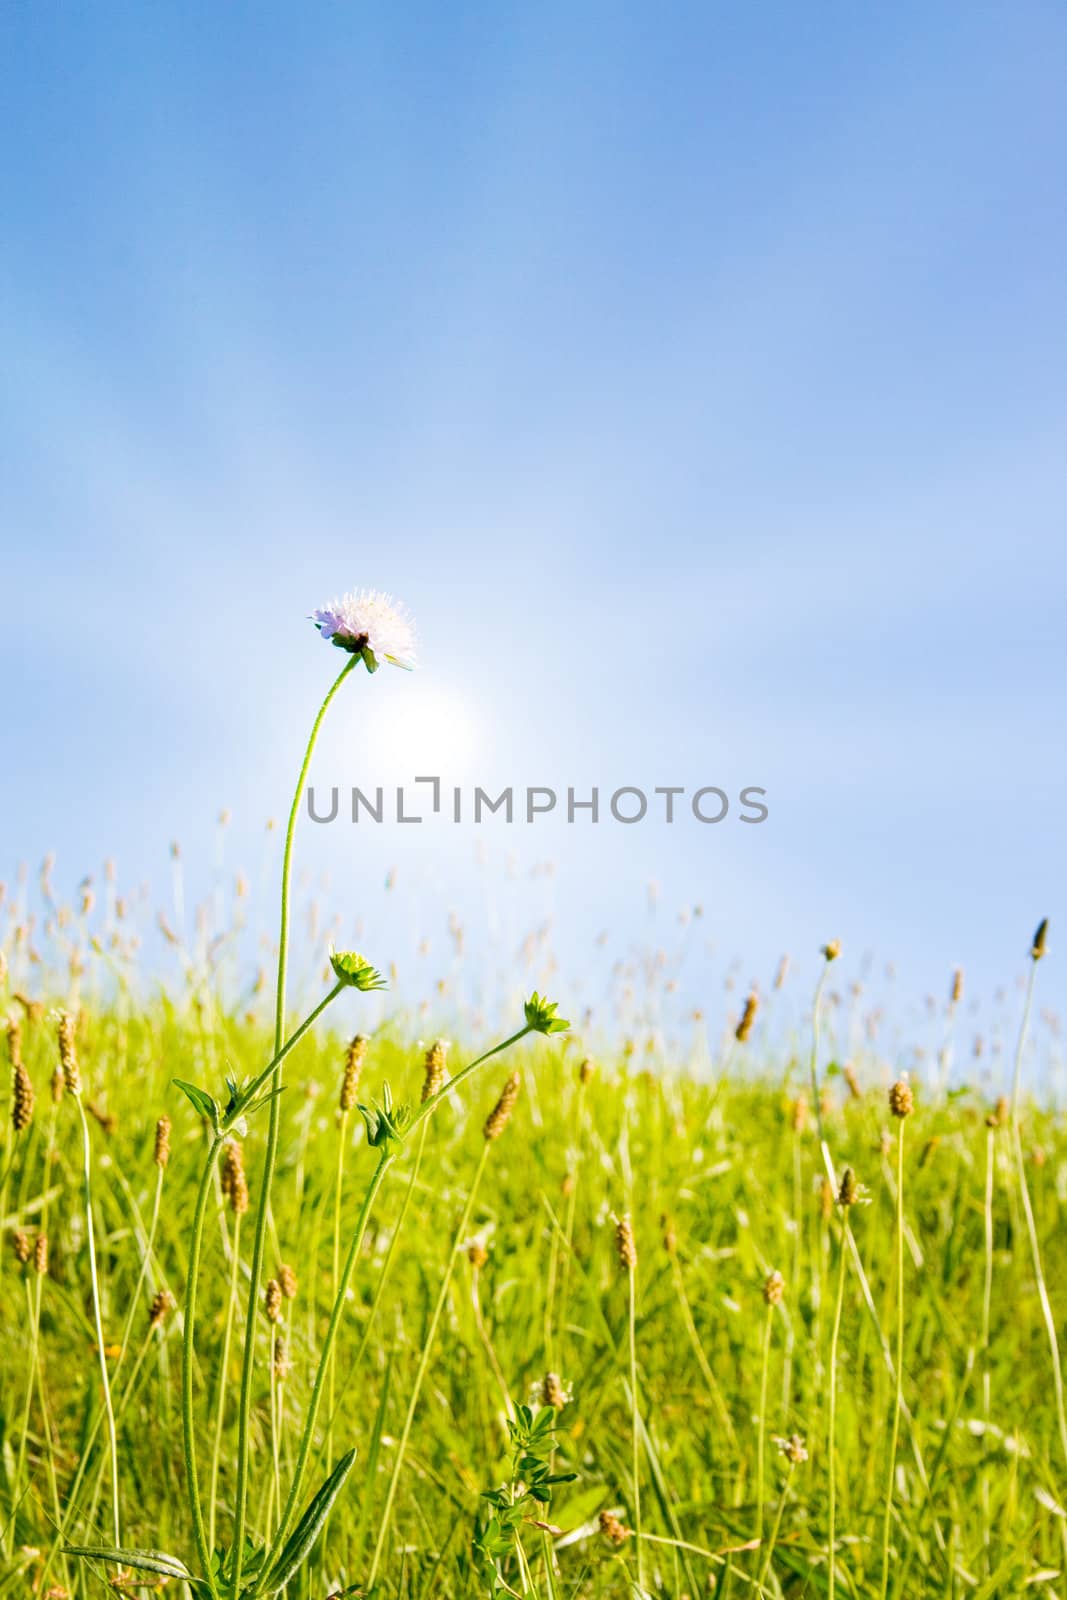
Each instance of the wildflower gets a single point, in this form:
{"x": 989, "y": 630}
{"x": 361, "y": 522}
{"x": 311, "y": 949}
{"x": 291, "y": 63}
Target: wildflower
{"x": 793, "y": 1448}
{"x": 354, "y": 1058}
{"x": 625, "y": 1243}
{"x": 434, "y": 1081}
{"x": 354, "y": 970}
{"x": 68, "y": 1055}
{"x": 287, "y": 1279}
{"x": 22, "y": 1098}
{"x": 497, "y": 1120}
{"x": 612, "y": 1528}
{"x": 901, "y": 1099}
{"x": 272, "y": 1300}
{"x": 161, "y": 1303}
{"x": 553, "y": 1392}
{"x": 369, "y": 624}
{"x": 161, "y": 1154}
{"x": 773, "y": 1289}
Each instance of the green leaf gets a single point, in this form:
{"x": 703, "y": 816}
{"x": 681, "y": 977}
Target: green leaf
{"x": 200, "y": 1098}
{"x": 156, "y": 1561}
{"x": 307, "y": 1530}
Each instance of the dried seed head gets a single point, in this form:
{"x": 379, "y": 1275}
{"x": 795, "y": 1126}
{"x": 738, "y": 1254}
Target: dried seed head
{"x": 435, "y": 1070}
{"x": 40, "y": 1255}
{"x": 625, "y": 1244}
{"x": 552, "y": 1391}
{"x": 68, "y": 1055}
{"x": 587, "y": 1070}
{"x": 849, "y": 1191}
{"x": 748, "y": 1017}
{"x": 232, "y": 1178}
{"x": 22, "y": 1098}
{"x": 287, "y": 1279}
{"x": 773, "y": 1289}
{"x": 853, "y": 1082}
{"x": 157, "y": 1311}
{"x": 612, "y": 1528}
{"x": 497, "y": 1120}
{"x": 272, "y": 1300}
{"x": 477, "y": 1254}
{"x": 793, "y": 1448}
{"x": 1037, "y": 949}
{"x": 901, "y": 1099}
{"x": 282, "y": 1365}
{"x": 58, "y": 1085}
{"x": 957, "y": 986}
{"x": 355, "y": 1056}
{"x": 826, "y": 1199}
{"x": 20, "y": 1243}
{"x": 161, "y": 1153}
{"x": 670, "y": 1238}
{"x": 832, "y": 950}
{"x": 800, "y": 1113}
{"x": 14, "y": 1040}
{"x": 781, "y": 974}
{"x": 999, "y": 1114}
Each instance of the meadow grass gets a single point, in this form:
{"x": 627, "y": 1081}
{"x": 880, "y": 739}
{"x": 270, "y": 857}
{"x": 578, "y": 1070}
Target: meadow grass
{"x": 679, "y": 1372}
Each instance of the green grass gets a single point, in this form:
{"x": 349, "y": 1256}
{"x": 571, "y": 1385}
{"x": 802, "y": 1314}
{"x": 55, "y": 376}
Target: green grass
{"x": 976, "y": 1511}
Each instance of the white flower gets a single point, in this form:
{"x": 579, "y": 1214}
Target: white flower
{"x": 369, "y": 624}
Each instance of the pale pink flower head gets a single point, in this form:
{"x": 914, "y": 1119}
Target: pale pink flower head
{"x": 370, "y": 624}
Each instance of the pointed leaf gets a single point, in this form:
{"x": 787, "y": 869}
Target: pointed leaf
{"x": 156, "y": 1561}
{"x": 200, "y": 1098}
{"x": 307, "y": 1530}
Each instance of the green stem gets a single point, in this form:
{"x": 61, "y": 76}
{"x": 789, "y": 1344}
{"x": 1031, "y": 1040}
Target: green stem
{"x": 271, "y": 1156}
{"x": 424, "y": 1361}
{"x": 220, "y": 1408}
{"x": 1031, "y": 1223}
{"x": 773, "y": 1540}
{"x": 336, "y": 1263}
{"x": 987, "y": 1306}
{"x": 898, "y": 1394}
{"x": 831, "y": 1455}
{"x": 761, "y": 1437}
{"x": 188, "y": 1336}
{"x": 99, "y": 1322}
{"x": 635, "y": 1424}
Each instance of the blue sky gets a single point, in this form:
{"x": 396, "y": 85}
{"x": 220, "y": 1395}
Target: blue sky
{"x": 698, "y": 375}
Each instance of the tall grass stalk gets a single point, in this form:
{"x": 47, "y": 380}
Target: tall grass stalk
{"x": 831, "y": 1453}
{"x": 1048, "y": 1316}
{"x": 428, "y": 1341}
{"x": 635, "y": 1419}
{"x": 98, "y": 1318}
{"x": 894, "y": 1434}
{"x": 223, "y": 1383}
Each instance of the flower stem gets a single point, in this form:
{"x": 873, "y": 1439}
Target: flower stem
{"x": 898, "y": 1394}
{"x": 761, "y": 1437}
{"x": 99, "y": 1321}
{"x": 635, "y": 1424}
{"x": 831, "y": 1538}
{"x": 424, "y": 1361}
{"x": 220, "y": 1406}
{"x": 773, "y": 1540}
{"x": 192, "y": 1487}
{"x": 271, "y": 1156}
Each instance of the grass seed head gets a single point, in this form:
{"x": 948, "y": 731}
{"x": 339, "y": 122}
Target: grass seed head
{"x": 1037, "y": 949}
{"x": 853, "y": 1082}
{"x": 162, "y": 1302}
{"x": 901, "y": 1099}
{"x": 161, "y": 1153}
{"x": 477, "y": 1254}
{"x": 272, "y": 1300}
{"x": 773, "y": 1289}
{"x": 800, "y": 1113}
{"x": 287, "y": 1279}
{"x": 22, "y": 1098}
{"x": 849, "y": 1191}
{"x": 497, "y": 1120}
{"x": 232, "y": 1178}
{"x": 832, "y": 950}
{"x": 14, "y": 1040}
{"x": 434, "y": 1081}
{"x": 997, "y": 1117}
{"x": 612, "y": 1529}
{"x": 40, "y": 1255}
{"x": 587, "y": 1070}
{"x": 282, "y": 1365}
{"x": 957, "y": 986}
{"x": 794, "y": 1449}
{"x": 748, "y": 1017}
{"x": 20, "y": 1243}
{"x": 552, "y": 1391}
{"x": 68, "y": 1053}
{"x": 625, "y": 1244}
{"x": 355, "y": 1056}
